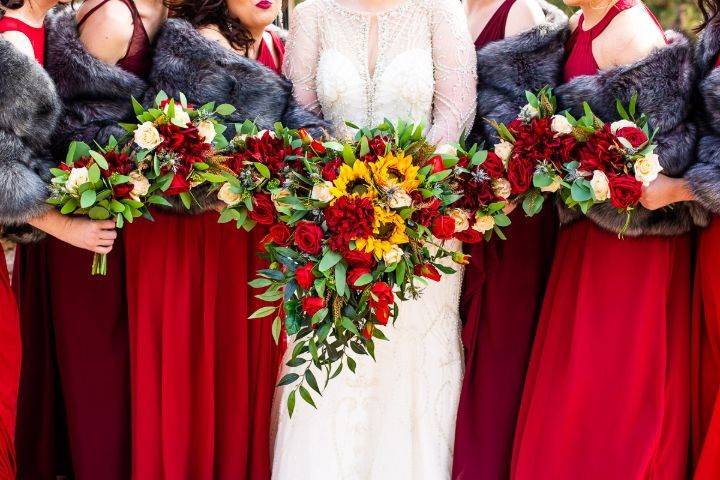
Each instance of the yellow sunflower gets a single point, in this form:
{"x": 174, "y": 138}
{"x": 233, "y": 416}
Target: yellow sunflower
{"x": 353, "y": 181}
{"x": 388, "y": 230}
{"x": 396, "y": 171}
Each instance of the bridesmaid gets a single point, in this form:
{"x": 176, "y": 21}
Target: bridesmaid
{"x": 606, "y": 394}
{"x": 520, "y": 46}
{"x": 702, "y": 183}
{"x": 28, "y": 118}
{"x": 78, "y": 327}
{"x": 203, "y": 376}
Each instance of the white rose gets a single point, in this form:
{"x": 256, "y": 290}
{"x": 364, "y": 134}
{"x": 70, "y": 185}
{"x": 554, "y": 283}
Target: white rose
{"x": 561, "y": 125}
{"x": 278, "y": 195}
{"x": 503, "y": 150}
{"x": 446, "y": 149}
{"x": 181, "y": 118}
{"x": 398, "y": 198}
{"x": 460, "y": 216}
{"x": 141, "y": 185}
{"x": 600, "y": 186}
{"x": 501, "y": 187}
{"x": 262, "y": 133}
{"x": 615, "y": 126}
{"x": 206, "y": 130}
{"x": 227, "y": 195}
{"x": 78, "y": 176}
{"x": 484, "y": 223}
{"x": 647, "y": 169}
{"x": 553, "y": 187}
{"x": 393, "y": 256}
{"x": 147, "y": 136}
{"x": 528, "y": 112}
{"x": 321, "y": 192}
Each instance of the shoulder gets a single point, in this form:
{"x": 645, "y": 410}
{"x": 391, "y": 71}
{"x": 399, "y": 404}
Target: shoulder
{"x": 631, "y": 36}
{"x": 574, "y": 20}
{"x": 309, "y": 9}
{"x": 523, "y": 15}
{"x": 112, "y": 13}
{"x": 107, "y": 32}
{"x": 211, "y": 32}
{"x": 20, "y": 41}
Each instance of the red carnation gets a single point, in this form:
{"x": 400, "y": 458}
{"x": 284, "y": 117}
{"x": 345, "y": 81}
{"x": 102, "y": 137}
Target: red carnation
{"x": 493, "y": 166}
{"x": 118, "y": 162}
{"x": 331, "y": 169}
{"x": 304, "y": 276}
{"x": 359, "y": 258}
{"x": 263, "y": 211}
{"x": 311, "y": 305}
{"x": 425, "y": 212}
{"x": 381, "y": 298}
{"x": 179, "y": 184}
{"x": 279, "y": 234}
{"x": 443, "y": 227}
{"x": 184, "y": 142}
{"x": 349, "y": 218}
{"x": 634, "y": 135}
{"x": 308, "y": 237}
{"x": 625, "y": 191}
{"x": 428, "y": 271}
{"x": 268, "y": 150}
{"x": 354, "y": 275}
{"x": 600, "y": 152}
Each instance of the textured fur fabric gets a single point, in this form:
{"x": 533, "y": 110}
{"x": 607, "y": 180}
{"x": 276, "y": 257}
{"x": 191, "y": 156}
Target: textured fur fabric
{"x": 204, "y": 71}
{"x": 29, "y": 110}
{"x": 664, "y": 82}
{"x": 509, "y": 67}
{"x": 96, "y": 96}
{"x": 704, "y": 176}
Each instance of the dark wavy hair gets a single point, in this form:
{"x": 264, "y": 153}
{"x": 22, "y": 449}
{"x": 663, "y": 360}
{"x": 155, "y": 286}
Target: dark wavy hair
{"x": 709, "y": 10}
{"x": 201, "y": 13}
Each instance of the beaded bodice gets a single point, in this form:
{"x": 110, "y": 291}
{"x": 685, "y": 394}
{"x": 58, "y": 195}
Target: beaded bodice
{"x": 414, "y": 61}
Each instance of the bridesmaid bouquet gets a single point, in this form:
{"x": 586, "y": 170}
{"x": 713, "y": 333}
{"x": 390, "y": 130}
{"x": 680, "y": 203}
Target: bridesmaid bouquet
{"x": 102, "y": 184}
{"x": 360, "y": 225}
{"x": 179, "y": 145}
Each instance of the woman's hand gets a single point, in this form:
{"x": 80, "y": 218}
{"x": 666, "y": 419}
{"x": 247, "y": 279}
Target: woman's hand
{"x": 665, "y": 191}
{"x": 509, "y": 207}
{"x": 95, "y": 236}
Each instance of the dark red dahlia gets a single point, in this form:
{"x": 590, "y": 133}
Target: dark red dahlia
{"x": 118, "y": 162}
{"x": 349, "y": 218}
{"x": 185, "y": 142}
{"x": 601, "y": 152}
{"x": 268, "y": 150}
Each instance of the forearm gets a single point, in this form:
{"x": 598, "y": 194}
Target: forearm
{"x": 51, "y": 222}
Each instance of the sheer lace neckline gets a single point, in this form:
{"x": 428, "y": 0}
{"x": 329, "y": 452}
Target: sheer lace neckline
{"x": 368, "y": 14}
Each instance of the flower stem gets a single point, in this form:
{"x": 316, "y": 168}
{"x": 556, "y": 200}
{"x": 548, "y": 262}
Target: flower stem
{"x": 99, "y": 265}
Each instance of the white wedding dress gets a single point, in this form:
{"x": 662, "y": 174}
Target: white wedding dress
{"x": 395, "y": 418}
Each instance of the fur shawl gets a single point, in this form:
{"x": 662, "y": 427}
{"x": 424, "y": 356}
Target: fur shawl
{"x": 204, "y": 71}
{"x": 29, "y": 110}
{"x": 664, "y": 82}
{"x": 509, "y": 67}
{"x": 704, "y": 176}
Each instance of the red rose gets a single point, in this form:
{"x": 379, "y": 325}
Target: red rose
{"x": 428, "y": 271}
{"x": 331, "y": 169}
{"x": 179, "y": 185}
{"x": 520, "y": 173}
{"x": 634, "y": 135}
{"x": 443, "y": 227}
{"x": 437, "y": 164}
{"x": 304, "y": 276}
{"x": 263, "y": 211}
{"x": 308, "y": 237}
{"x": 280, "y": 234}
{"x": 123, "y": 190}
{"x": 354, "y": 275}
{"x": 493, "y": 165}
{"x": 625, "y": 191}
{"x": 469, "y": 235}
{"x": 359, "y": 258}
{"x": 381, "y": 298}
{"x": 318, "y": 147}
{"x": 311, "y": 305}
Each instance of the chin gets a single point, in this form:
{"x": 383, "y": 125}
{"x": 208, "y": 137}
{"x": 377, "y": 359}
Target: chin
{"x": 574, "y": 3}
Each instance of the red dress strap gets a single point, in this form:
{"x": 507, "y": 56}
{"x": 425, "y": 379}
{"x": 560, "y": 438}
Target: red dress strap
{"x": 137, "y": 58}
{"x": 495, "y": 28}
{"x": 265, "y": 55}
{"x": 36, "y": 35}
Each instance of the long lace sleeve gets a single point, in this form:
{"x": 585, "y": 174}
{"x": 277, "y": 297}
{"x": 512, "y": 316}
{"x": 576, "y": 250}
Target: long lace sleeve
{"x": 301, "y": 56}
{"x": 455, "y": 73}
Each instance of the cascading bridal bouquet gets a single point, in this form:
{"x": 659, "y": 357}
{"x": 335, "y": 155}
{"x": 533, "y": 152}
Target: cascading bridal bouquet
{"x": 102, "y": 184}
{"x": 361, "y": 225}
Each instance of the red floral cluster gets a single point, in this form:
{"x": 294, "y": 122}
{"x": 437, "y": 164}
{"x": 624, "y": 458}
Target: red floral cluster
{"x": 263, "y": 211}
{"x": 331, "y": 170}
{"x": 476, "y": 185}
{"x": 378, "y": 145}
{"x": 190, "y": 148}
{"x": 266, "y": 149}
{"x": 349, "y": 218}
{"x": 381, "y": 298}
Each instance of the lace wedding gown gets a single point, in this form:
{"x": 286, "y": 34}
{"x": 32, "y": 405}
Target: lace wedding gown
{"x": 394, "y": 419}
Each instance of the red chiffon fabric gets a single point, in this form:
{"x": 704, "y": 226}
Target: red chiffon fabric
{"x": 9, "y": 372}
{"x": 606, "y": 396}
{"x": 203, "y": 375}
{"x": 706, "y": 356}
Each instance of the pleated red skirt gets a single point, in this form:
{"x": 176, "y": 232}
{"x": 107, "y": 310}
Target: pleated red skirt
{"x": 607, "y": 390}
{"x": 706, "y": 356}
{"x": 203, "y": 375}
{"x": 74, "y": 398}
{"x": 9, "y": 371}
{"x": 500, "y": 304}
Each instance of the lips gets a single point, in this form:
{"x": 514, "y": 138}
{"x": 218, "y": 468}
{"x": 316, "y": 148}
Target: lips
{"x": 264, "y": 4}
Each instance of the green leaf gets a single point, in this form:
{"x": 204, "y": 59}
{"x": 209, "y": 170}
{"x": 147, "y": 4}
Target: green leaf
{"x": 306, "y": 396}
{"x": 99, "y": 159}
{"x": 340, "y": 278}
{"x": 291, "y": 403}
{"x": 87, "y": 199}
{"x": 363, "y": 280}
{"x": 349, "y": 155}
{"x": 351, "y": 364}
{"x": 580, "y": 192}
{"x": 349, "y": 325}
{"x": 94, "y": 173}
{"x": 270, "y": 296}
{"x": 137, "y": 108}
{"x": 319, "y": 316}
{"x": 69, "y": 207}
{"x": 288, "y": 379}
{"x": 262, "y": 312}
{"x": 502, "y": 220}
{"x": 276, "y": 329}
{"x": 329, "y": 260}
{"x": 158, "y": 200}
{"x": 260, "y": 283}
{"x": 311, "y": 380}
{"x": 99, "y": 213}
{"x": 262, "y": 169}
{"x": 225, "y": 109}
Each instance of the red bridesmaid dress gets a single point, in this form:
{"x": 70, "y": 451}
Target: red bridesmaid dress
{"x": 500, "y": 304}
{"x": 202, "y": 374}
{"x": 606, "y": 395}
{"x": 74, "y": 401}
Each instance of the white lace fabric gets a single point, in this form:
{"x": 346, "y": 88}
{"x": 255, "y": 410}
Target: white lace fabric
{"x": 425, "y": 69}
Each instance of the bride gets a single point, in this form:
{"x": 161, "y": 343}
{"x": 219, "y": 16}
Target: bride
{"x": 363, "y": 61}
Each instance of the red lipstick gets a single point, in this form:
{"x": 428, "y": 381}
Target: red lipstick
{"x": 264, "y": 4}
